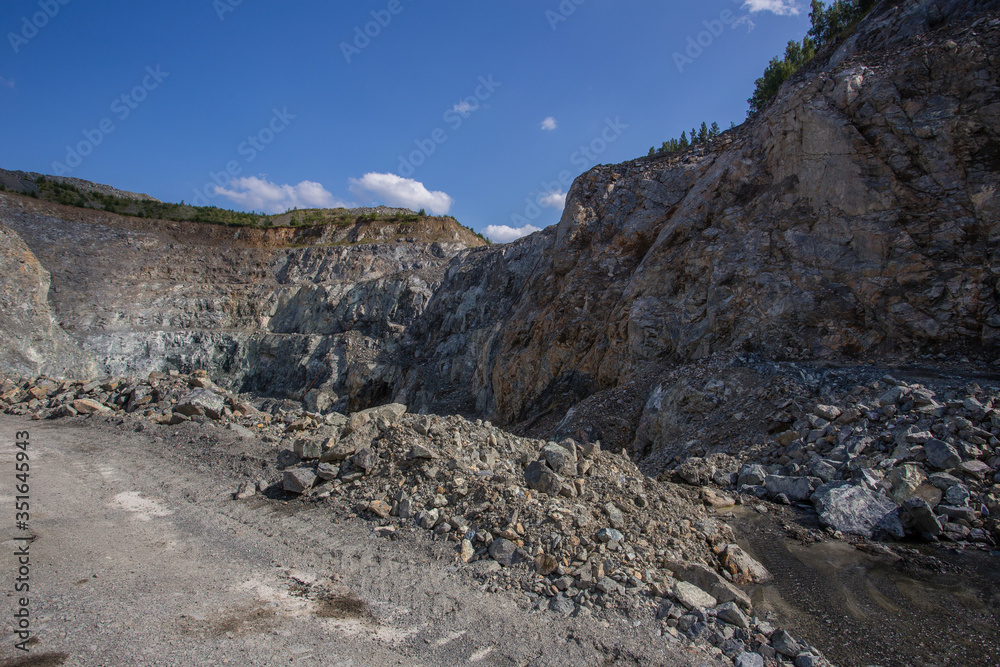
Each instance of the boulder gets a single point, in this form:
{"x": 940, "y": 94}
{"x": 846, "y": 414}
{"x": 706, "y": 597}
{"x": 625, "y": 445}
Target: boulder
{"x": 919, "y": 518}
{"x": 752, "y": 475}
{"x": 298, "y": 480}
{"x": 85, "y": 406}
{"x": 856, "y": 510}
{"x": 201, "y": 402}
{"x": 504, "y": 552}
{"x": 710, "y": 581}
{"x": 796, "y": 489}
{"x": 905, "y": 480}
{"x": 696, "y": 471}
{"x": 941, "y": 455}
{"x": 561, "y": 460}
{"x": 693, "y": 597}
{"x": 744, "y": 568}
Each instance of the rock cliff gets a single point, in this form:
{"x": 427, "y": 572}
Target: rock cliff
{"x": 856, "y": 218}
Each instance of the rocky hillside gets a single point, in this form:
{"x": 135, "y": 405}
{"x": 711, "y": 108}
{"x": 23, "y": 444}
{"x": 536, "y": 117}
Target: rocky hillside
{"x": 277, "y": 311}
{"x": 854, "y": 219}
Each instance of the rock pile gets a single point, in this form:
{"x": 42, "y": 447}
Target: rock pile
{"x": 566, "y": 527}
{"x": 895, "y": 459}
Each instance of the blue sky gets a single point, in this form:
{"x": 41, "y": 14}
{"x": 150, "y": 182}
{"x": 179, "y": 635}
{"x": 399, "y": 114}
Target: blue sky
{"x": 484, "y": 111}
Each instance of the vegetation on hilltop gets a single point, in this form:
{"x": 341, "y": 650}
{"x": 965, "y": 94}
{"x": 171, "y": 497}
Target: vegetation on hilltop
{"x": 829, "y": 25}
{"x": 70, "y": 195}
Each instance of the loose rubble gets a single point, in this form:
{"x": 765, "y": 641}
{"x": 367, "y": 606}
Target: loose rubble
{"x": 894, "y": 460}
{"x": 568, "y": 528}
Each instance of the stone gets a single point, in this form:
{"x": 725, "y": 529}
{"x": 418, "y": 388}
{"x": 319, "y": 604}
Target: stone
{"x": 855, "y": 510}
{"x": 976, "y": 469}
{"x": 788, "y": 437}
{"x": 615, "y": 516}
{"x": 466, "y": 551}
{"x": 421, "y": 453}
{"x": 752, "y": 475}
{"x": 538, "y": 477}
{"x": 379, "y": 508}
{"x": 696, "y": 471}
{"x": 545, "y": 564}
{"x": 562, "y": 605}
{"x": 337, "y": 450}
{"x": 941, "y": 455}
{"x": 827, "y": 412}
{"x": 784, "y": 644}
{"x": 711, "y": 582}
{"x": 957, "y": 496}
{"x": 561, "y": 460}
{"x": 504, "y": 552}
{"x": 748, "y": 660}
{"x": 308, "y": 448}
{"x": 693, "y": 597}
{"x": 245, "y": 490}
{"x": 85, "y": 406}
{"x": 905, "y": 479}
{"x": 796, "y": 489}
{"x": 201, "y": 402}
{"x": 609, "y": 586}
{"x": 744, "y": 568}
{"x": 365, "y": 459}
{"x": 808, "y": 660}
{"x": 605, "y": 535}
{"x": 732, "y": 614}
{"x": 241, "y": 431}
{"x": 716, "y": 499}
{"x": 327, "y": 471}
{"x": 299, "y": 480}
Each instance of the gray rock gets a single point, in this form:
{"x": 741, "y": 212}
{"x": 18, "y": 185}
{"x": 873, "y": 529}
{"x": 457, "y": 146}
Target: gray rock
{"x": 854, "y": 510}
{"x": 752, "y": 475}
{"x": 605, "y": 535}
{"x": 784, "y": 644}
{"x": 561, "y": 460}
{"x": 693, "y": 597}
{"x": 696, "y": 471}
{"x": 504, "y": 552}
{"x": 732, "y": 614}
{"x": 562, "y": 605}
{"x": 308, "y": 448}
{"x": 537, "y": 476}
{"x": 796, "y": 489}
{"x": 201, "y": 402}
{"x": 941, "y": 455}
{"x": 327, "y": 471}
{"x": 808, "y": 660}
{"x": 825, "y": 470}
{"x": 748, "y": 660}
{"x": 957, "y": 495}
{"x": 710, "y": 581}
{"x": 298, "y": 480}
{"x": 615, "y": 516}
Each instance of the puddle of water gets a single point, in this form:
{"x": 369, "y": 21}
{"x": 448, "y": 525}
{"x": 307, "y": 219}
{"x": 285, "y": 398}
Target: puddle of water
{"x": 862, "y": 609}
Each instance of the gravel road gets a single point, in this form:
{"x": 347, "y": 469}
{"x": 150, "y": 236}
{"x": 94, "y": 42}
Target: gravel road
{"x": 142, "y": 557}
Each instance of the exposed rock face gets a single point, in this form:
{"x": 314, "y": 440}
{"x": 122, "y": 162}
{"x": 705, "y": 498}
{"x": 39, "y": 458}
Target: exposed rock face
{"x": 251, "y": 306}
{"x": 857, "y": 216}
{"x": 32, "y": 343}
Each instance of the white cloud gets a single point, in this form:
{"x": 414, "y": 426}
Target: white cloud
{"x": 6, "y": 82}
{"x": 258, "y": 194}
{"x": 553, "y": 200}
{"x": 465, "y": 107}
{"x": 506, "y": 234}
{"x": 394, "y": 190}
{"x": 549, "y": 124}
{"x": 779, "y": 7}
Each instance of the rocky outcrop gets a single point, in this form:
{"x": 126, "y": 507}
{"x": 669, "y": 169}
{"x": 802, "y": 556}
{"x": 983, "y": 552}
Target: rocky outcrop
{"x": 855, "y": 217}
{"x": 32, "y": 343}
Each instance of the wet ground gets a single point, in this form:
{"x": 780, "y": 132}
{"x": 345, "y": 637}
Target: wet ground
{"x": 911, "y": 606}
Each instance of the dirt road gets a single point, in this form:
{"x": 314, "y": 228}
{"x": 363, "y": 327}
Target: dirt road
{"x": 142, "y": 557}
